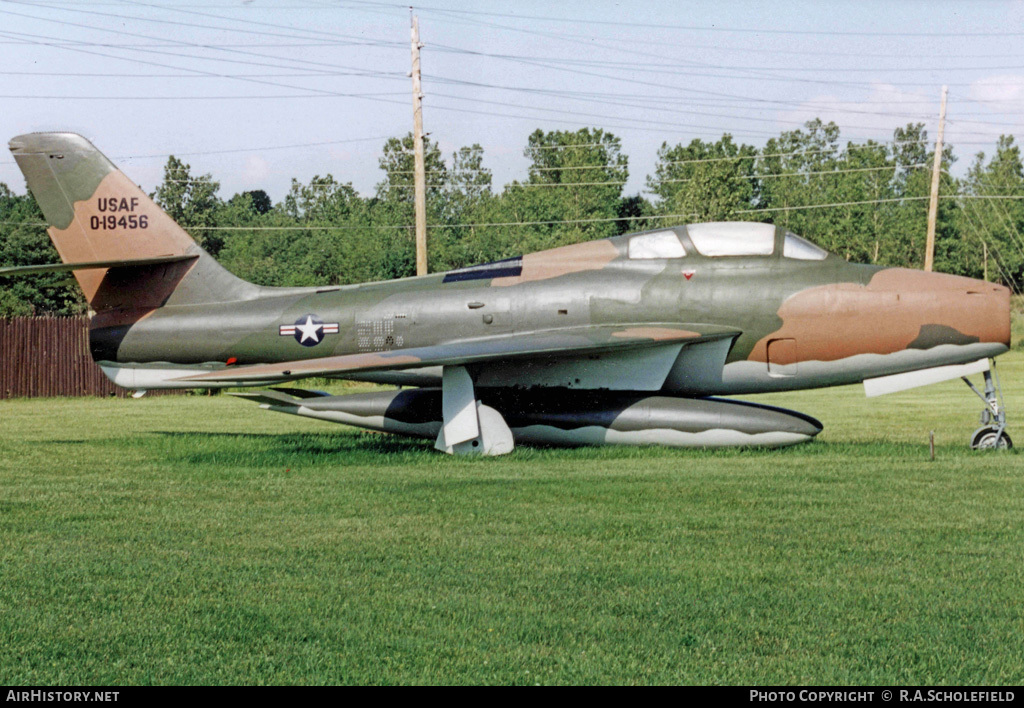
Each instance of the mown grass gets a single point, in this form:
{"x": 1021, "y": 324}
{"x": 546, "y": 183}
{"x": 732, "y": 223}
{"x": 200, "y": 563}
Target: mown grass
{"x": 201, "y": 540}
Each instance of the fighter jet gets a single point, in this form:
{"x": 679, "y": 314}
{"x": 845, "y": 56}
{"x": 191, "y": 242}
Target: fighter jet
{"x": 627, "y": 340}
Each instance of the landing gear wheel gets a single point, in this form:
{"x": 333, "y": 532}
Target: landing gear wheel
{"x": 990, "y": 438}
{"x": 992, "y": 435}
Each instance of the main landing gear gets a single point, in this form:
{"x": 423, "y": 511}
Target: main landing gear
{"x": 992, "y": 434}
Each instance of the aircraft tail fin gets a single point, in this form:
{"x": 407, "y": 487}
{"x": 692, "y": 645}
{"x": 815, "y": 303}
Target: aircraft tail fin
{"x": 96, "y": 214}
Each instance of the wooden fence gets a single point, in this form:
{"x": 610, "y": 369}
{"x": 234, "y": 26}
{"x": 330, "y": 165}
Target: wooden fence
{"x": 49, "y": 356}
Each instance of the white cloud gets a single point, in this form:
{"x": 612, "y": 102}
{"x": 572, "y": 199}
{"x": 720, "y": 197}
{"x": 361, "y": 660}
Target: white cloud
{"x": 997, "y": 89}
{"x": 256, "y": 169}
{"x": 886, "y": 108}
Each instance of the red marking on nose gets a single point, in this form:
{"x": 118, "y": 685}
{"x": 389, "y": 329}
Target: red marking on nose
{"x": 688, "y": 274}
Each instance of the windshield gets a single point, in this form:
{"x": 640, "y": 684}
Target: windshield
{"x": 801, "y": 249}
{"x": 660, "y": 244}
{"x": 732, "y": 238}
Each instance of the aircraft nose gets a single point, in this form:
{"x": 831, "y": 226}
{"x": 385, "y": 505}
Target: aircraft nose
{"x": 952, "y": 309}
{"x": 998, "y": 303}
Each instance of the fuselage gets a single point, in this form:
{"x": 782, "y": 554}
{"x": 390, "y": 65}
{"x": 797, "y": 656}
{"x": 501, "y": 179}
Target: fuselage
{"x": 622, "y": 341}
{"x": 804, "y": 318}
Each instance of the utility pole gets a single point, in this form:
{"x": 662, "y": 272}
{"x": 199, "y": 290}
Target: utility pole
{"x": 420, "y": 179}
{"x": 933, "y": 204}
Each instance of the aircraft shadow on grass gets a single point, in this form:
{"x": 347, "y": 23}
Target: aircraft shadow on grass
{"x": 371, "y": 449}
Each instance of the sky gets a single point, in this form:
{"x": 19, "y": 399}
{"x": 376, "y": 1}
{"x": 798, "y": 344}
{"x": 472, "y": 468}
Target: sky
{"x": 259, "y": 92}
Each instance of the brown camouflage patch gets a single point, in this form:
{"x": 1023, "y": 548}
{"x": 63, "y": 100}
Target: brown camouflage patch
{"x": 580, "y": 257}
{"x": 118, "y": 222}
{"x": 832, "y": 322}
{"x": 656, "y": 333}
{"x": 332, "y": 364}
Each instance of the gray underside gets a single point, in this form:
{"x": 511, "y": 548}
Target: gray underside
{"x": 550, "y": 435}
{"x": 746, "y": 377}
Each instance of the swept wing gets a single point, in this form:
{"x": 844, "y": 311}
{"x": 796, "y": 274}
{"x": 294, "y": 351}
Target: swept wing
{"x": 554, "y": 343}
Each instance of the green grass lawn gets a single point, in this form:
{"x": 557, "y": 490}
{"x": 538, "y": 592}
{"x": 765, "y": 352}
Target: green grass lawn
{"x": 202, "y": 540}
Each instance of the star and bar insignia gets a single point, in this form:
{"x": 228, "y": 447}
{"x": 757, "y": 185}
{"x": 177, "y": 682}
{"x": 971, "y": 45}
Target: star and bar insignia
{"x": 309, "y": 330}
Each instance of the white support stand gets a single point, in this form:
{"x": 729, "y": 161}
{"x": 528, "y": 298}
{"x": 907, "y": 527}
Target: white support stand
{"x": 469, "y": 427}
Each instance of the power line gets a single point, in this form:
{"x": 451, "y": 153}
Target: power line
{"x": 681, "y": 93}
{"x": 121, "y": 18}
{"x": 835, "y": 149}
{"x": 258, "y": 81}
{"x": 111, "y": 75}
{"x": 370, "y": 227}
{"x": 238, "y": 150}
{"x": 531, "y": 185}
{"x": 196, "y": 71}
{"x": 593, "y": 184}
{"x": 64, "y": 97}
{"x": 649, "y": 40}
{"x": 382, "y": 42}
{"x": 641, "y": 218}
{"x": 536, "y": 169}
{"x": 667, "y": 109}
{"x": 220, "y": 45}
{"x": 699, "y": 28}
{"x": 374, "y": 97}
{"x": 689, "y": 65}
{"x": 467, "y": 225}
{"x": 991, "y": 245}
{"x": 800, "y": 207}
{"x": 192, "y": 45}
{"x": 77, "y": 46}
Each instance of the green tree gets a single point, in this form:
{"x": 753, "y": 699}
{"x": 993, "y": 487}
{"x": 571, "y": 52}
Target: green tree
{"x": 912, "y": 184}
{"x": 858, "y": 183}
{"x": 190, "y": 201}
{"x": 992, "y": 214}
{"x": 792, "y": 173}
{"x": 259, "y": 200}
{"x": 573, "y": 192}
{"x": 320, "y": 234}
{"x": 466, "y": 195}
{"x": 398, "y": 162}
{"x": 23, "y": 242}
{"x": 634, "y": 211}
{"x": 704, "y": 181}
{"x": 392, "y": 212}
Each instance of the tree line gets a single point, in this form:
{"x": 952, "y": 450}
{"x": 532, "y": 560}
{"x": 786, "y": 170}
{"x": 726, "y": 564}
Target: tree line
{"x": 866, "y": 201}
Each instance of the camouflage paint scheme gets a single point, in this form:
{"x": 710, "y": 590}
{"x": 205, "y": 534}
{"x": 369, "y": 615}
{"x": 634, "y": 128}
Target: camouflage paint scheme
{"x": 585, "y": 316}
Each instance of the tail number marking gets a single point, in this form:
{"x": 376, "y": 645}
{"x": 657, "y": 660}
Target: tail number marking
{"x": 112, "y": 205}
{"x": 109, "y": 223}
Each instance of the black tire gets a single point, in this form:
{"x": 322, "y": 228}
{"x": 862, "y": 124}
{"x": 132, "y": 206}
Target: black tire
{"x": 986, "y": 439}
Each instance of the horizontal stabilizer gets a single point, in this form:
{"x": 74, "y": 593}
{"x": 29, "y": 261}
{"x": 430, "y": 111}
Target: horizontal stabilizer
{"x": 89, "y": 265}
{"x": 925, "y": 377}
{"x": 569, "y": 341}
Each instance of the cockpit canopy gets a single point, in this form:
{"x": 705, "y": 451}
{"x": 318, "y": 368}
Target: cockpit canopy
{"x": 721, "y": 239}
{"x": 800, "y": 248}
{"x": 658, "y": 244}
{"x": 732, "y": 238}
